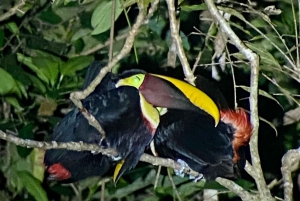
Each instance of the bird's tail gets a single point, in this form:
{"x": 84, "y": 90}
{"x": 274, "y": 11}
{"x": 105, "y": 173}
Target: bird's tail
{"x": 243, "y": 128}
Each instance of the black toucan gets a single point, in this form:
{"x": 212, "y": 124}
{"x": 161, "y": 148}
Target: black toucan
{"x": 198, "y": 128}
{"x": 127, "y": 119}
{"x": 70, "y": 166}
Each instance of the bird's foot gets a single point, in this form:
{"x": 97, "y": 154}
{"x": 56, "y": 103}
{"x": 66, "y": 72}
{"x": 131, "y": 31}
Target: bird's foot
{"x": 180, "y": 171}
{"x": 197, "y": 178}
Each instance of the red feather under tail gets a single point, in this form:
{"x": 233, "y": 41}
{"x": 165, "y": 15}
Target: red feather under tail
{"x": 58, "y": 172}
{"x": 243, "y": 128}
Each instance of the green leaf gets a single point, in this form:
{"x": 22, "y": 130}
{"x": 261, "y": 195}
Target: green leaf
{"x": 15, "y": 103}
{"x": 185, "y": 41}
{"x": 260, "y": 92}
{"x": 7, "y": 84}
{"x": 232, "y": 12}
{"x": 12, "y": 26}
{"x": 157, "y": 25}
{"x": 38, "y": 169}
{"x": 45, "y": 65}
{"x": 50, "y": 17}
{"x": 75, "y": 64}
{"x": 49, "y": 67}
{"x": 2, "y": 37}
{"x": 194, "y": 7}
{"x": 26, "y": 132}
{"x": 67, "y": 1}
{"x": 189, "y": 188}
{"x": 266, "y": 59}
{"x": 37, "y": 84}
{"x": 101, "y": 18}
{"x": 136, "y": 185}
{"x": 80, "y": 33}
{"x": 22, "y": 88}
{"x": 214, "y": 185}
{"x": 33, "y": 186}
{"x": 247, "y": 185}
{"x": 28, "y": 62}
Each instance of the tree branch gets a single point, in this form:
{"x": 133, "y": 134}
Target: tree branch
{"x": 176, "y": 37}
{"x": 243, "y": 194}
{"x": 80, "y": 146}
{"x": 264, "y": 192}
{"x": 290, "y": 162}
{"x": 79, "y": 95}
{"x": 12, "y": 11}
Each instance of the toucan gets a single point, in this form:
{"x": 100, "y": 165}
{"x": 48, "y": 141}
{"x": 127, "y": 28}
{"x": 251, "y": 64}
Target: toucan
{"x": 127, "y": 119}
{"x": 198, "y": 128}
{"x": 70, "y": 166}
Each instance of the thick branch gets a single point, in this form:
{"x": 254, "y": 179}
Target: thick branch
{"x": 141, "y": 18}
{"x": 290, "y": 162}
{"x": 12, "y": 11}
{"x": 252, "y": 57}
{"x": 264, "y": 192}
{"x": 80, "y": 146}
{"x": 243, "y": 194}
{"x": 77, "y": 96}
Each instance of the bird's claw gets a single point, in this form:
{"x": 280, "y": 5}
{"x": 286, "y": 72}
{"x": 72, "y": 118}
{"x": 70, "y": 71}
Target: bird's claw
{"x": 197, "y": 178}
{"x": 180, "y": 171}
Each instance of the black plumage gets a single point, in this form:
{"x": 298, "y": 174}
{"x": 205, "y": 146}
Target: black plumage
{"x": 70, "y": 166}
{"x": 119, "y": 112}
{"x": 198, "y": 127}
{"x": 122, "y": 120}
{"x": 193, "y": 138}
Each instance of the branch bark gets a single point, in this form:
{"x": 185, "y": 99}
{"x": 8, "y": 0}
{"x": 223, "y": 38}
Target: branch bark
{"x": 176, "y": 37}
{"x": 12, "y": 11}
{"x": 255, "y": 170}
{"x": 79, "y": 95}
{"x": 80, "y": 146}
{"x": 290, "y": 162}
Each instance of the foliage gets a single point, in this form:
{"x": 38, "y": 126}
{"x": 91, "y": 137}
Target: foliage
{"x": 47, "y": 45}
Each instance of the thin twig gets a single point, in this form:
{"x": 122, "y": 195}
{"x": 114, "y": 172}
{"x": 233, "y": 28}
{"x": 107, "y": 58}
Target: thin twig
{"x": 207, "y": 37}
{"x": 173, "y": 185}
{"x": 180, "y": 51}
{"x": 233, "y": 79}
{"x": 296, "y": 34}
{"x": 103, "y": 191}
{"x": 266, "y": 19}
{"x": 100, "y": 46}
{"x": 112, "y": 30}
{"x": 157, "y": 176}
